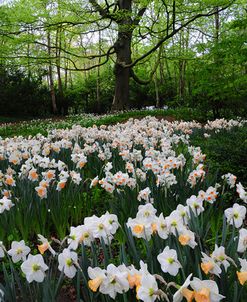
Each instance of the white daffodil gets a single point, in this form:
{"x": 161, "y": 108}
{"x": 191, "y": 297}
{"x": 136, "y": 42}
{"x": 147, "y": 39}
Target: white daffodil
{"x": 211, "y": 195}
{"x": 34, "y": 268}
{"x": 242, "y": 242}
{"x": 144, "y": 194}
{"x": 169, "y": 262}
{"x": 235, "y": 215}
{"x": 115, "y": 281}
{"x": 74, "y": 237}
{"x": 241, "y": 192}
{"x": 5, "y": 204}
{"x": 66, "y": 261}
{"x": 18, "y": 251}
{"x": 1, "y": 249}
{"x": 45, "y": 245}
{"x": 139, "y": 229}
{"x": 183, "y": 212}
{"x": 242, "y": 275}
{"x": 174, "y": 222}
{"x": 111, "y": 222}
{"x": 147, "y": 292}
{"x": 187, "y": 237}
{"x": 230, "y": 179}
{"x": 146, "y": 213}
{"x": 196, "y": 204}
{"x": 85, "y": 235}
{"x": 98, "y": 228}
{"x": 183, "y": 291}
{"x": 209, "y": 265}
{"x": 162, "y": 228}
{"x": 97, "y": 275}
{"x": 206, "y": 290}
{"x": 220, "y": 256}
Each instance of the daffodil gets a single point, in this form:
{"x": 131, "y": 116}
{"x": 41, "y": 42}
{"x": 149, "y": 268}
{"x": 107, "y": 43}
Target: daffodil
{"x": 169, "y": 262}
{"x": 242, "y": 242}
{"x": 19, "y": 251}
{"x": 205, "y": 290}
{"x": 242, "y": 275}
{"x": 236, "y": 215}
{"x": 34, "y": 268}
{"x": 67, "y": 260}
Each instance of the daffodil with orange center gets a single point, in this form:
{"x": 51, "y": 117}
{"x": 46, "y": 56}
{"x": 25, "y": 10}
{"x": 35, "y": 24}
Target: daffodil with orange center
{"x": 242, "y": 277}
{"x": 184, "y": 239}
{"x": 138, "y": 229}
{"x": 207, "y": 267}
{"x": 203, "y": 295}
{"x": 95, "y": 283}
{"x": 188, "y": 294}
{"x": 134, "y": 280}
{"x": 43, "y": 247}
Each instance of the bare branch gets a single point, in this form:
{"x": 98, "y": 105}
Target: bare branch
{"x": 173, "y": 33}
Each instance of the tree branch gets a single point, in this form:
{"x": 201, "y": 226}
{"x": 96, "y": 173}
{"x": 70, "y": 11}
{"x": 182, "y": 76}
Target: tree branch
{"x": 173, "y": 33}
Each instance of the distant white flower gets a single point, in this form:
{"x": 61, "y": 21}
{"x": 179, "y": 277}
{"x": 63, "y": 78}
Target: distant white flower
{"x": 242, "y": 243}
{"x": 97, "y": 275}
{"x": 115, "y": 281}
{"x": 162, "y": 228}
{"x": 139, "y": 229}
{"x": 169, "y": 262}
{"x": 34, "y": 268}
{"x": 235, "y": 215}
{"x": 211, "y": 195}
{"x": 220, "y": 256}
{"x": 74, "y": 237}
{"x": 146, "y": 213}
{"x": 230, "y": 179}
{"x": 111, "y": 222}
{"x": 174, "y": 222}
{"x": 144, "y": 194}
{"x": 66, "y": 261}
{"x": 242, "y": 275}
{"x": 18, "y": 251}
{"x": 187, "y": 237}
{"x": 196, "y": 204}
{"x": 94, "y": 182}
{"x": 5, "y": 204}
{"x": 45, "y": 245}
{"x": 1, "y": 249}
{"x": 241, "y": 192}
{"x": 208, "y": 265}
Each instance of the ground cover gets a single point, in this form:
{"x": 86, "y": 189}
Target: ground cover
{"x": 121, "y": 212}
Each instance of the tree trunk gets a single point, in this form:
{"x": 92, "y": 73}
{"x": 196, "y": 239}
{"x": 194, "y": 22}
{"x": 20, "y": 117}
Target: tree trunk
{"x": 123, "y": 54}
{"x": 98, "y": 77}
{"x": 122, "y": 74}
{"x": 50, "y": 74}
{"x": 156, "y": 87}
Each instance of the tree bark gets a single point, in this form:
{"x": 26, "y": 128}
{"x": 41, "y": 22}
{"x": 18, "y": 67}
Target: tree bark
{"x": 50, "y": 74}
{"x": 122, "y": 74}
{"x": 98, "y": 76}
{"x": 156, "y": 87}
{"x": 123, "y": 54}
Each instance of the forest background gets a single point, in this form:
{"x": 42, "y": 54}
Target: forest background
{"x": 59, "y": 57}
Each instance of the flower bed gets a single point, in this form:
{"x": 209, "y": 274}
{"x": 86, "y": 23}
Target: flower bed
{"x": 121, "y": 212}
